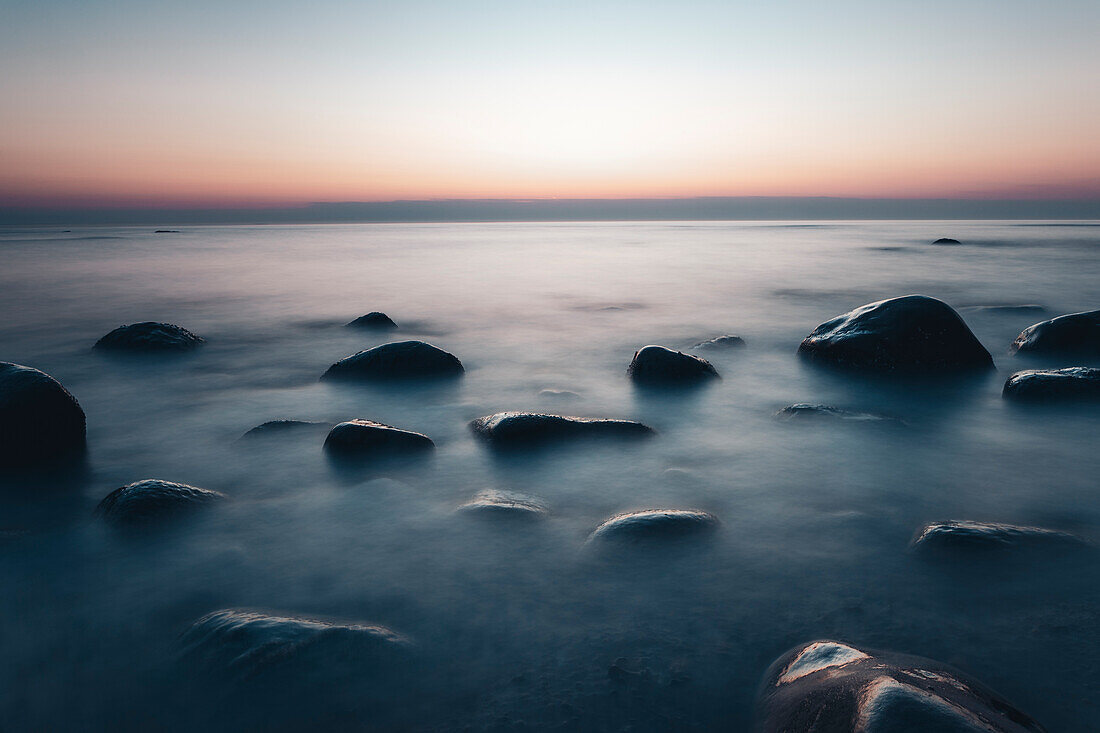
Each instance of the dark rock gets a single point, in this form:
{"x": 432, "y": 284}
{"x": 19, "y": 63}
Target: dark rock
{"x": 1077, "y": 334}
{"x": 149, "y": 336}
{"x": 504, "y": 504}
{"x": 527, "y": 428}
{"x": 280, "y": 427}
{"x": 1006, "y": 309}
{"x": 1054, "y": 385}
{"x": 946, "y": 240}
{"x": 374, "y": 320}
{"x": 658, "y": 365}
{"x": 913, "y": 334}
{"x": 966, "y": 536}
{"x": 397, "y": 360}
{"x": 655, "y": 524}
{"x": 39, "y": 420}
{"x": 368, "y": 437}
{"x": 804, "y": 411}
{"x": 167, "y": 231}
{"x": 151, "y": 499}
{"x": 721, "y": 343}
{"x": 831, "y": 687}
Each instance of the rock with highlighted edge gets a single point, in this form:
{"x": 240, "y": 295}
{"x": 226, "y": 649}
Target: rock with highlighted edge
{"x": 361, "y": 437}
{"x": 40, "y": 421}
{"x": 1072, "y": 384}
{"x": 149, "y": 337}
{"x": 654, "y": 525}
{"x": 657, "y": 365}
{"x": 515, "y": 429}
{"x": 153, "y": 500}
{"x": 1076, "y": 334}
{"x": 396, "y": 361}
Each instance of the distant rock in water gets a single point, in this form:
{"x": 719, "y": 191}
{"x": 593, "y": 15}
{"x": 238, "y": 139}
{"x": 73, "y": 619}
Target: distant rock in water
{"x": 655, "y": 524}
{"x": 504, "y": 504}
{"x": 374, "y": 320}
{"x": 281, "y": 427}
{"x": 1076, "y": 334}
{"x": 397, "y": 360}
{"x": 1054, "y": 385}
{"x": 914, "y": 334}
{"x": 151, "y": 500}
{"x": 656, "y": 365}
{"x": 527, "y": 428}
{"x": 832, "y": 687}
{"x": 946, "y": 240}
{"x": 149, "y": 336}
{"x": 39, "y": 420}
{"x": 558, "y": 394}
{"x": 167, "y": 231}
{"x": 721, "y": 343}
{"x": 366, "y": 437}
{"x": 966, "y": 536}
{"x": 1006, "y": 309}
{"x": 805, "y": 411}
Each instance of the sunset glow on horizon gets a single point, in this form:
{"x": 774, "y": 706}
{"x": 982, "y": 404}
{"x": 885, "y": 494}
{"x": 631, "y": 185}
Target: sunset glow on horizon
{"x": 131, "y": 103}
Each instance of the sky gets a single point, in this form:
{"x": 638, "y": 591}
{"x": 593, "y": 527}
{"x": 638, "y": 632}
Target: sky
{"x": 220, "y": 104}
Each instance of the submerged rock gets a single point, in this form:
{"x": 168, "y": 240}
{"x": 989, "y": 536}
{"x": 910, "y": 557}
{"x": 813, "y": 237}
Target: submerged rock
{"x": 374, "y": 320}
{"x": 913, "y": 333}
{"x": 832, "y": 687}
{"x": 655, "y": 524}
{"x": 721, "y": 343}
{"x": 558, "y": 394}
{"x": 504, "y": 504}
{"x": 946, "y": 240}
{"x": 149, "y": 336}
{"x": 1054, "y": 385}
{"x": 280, "y": 427}
{"x": 1076, "y": 334}
{"x": 805, "y": 411}
{"x": 361, "y": 436}
{"x": 963, "y": 535}
{"x": 151, "y": 500}
{"x": 397, "y": 360}
{"x": 39, "y": 420}
{"x": 657, "y": 365}
{"x": 1006, "y": 309}
{"x": 527, "y": 428}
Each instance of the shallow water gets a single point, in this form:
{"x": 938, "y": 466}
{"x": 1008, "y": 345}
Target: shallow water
{"x": 523, "y": 623}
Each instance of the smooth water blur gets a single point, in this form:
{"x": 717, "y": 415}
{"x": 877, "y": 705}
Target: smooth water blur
{"x": 523, "y": 623}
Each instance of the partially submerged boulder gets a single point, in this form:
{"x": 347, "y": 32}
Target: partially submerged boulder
{"x": 374, "y": 320}
{"x": 494, "y": 503}
{"x": 1054, "y": 385}
{"x": 960, "y": 536}
{"x": 527, "y": 428}
{"x": 151, "y": 500}
{"x": 39, "y": 420}
{"x": 1076, "y": 334}
{"x": 397, "y": 360}
{"x": 832, "y": 687}
{"x": 721, "y": 343}
{"x": 366, "y": 437}
{"x": 804, "y": 411}
{"x": 655, "y": 524}
{"x": 149, "y": 337}
{"x": 914, "y": 334}
{"x": 282, "y": 427}
{"x": 657, "y": 365}
{"x": 946, "y": 240}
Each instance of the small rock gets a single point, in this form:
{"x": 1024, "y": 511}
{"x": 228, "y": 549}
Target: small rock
{"x": 149, "y": 336}
{"x": 527, "y": 428}
{"x": 1076, "y": 334}
{"x": 374, "y": 320}
{"x": 1054, "y": 385}
{"x": 505, "y": 504}
{"x": 39, "y": 420}
{"x": 167, "y": 231}
{"x": 367, "y": 437}
{"x": 397, "y": 360}
{"x": 804, "y": 411}
{"x": 151, "y": 500}
{"x": 656, "y": 365}
{"x": 962, "y": 535}
{"x": 946, "y": 240}
{"x": 721, "y": 343}
{"x": 559, "y": 394}
{"x": 655, "y": 524}
{"x": 280, "y": 427}
{"x": 1006, "y": 309}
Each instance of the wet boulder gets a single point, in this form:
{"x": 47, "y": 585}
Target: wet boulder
{"x": 914, "y": 334}
{"x": 805, "y": 412}
{"x": 961, "y": 536}
{"x": 1054, "y": 385}
{"x": 946, "y": 240}
{"x": 151, "y": 500}
{"x": 366, "y": 437}
{"x": 655, "y": 525}
{"x": 374, "y": 320}
{"x": 39, "y": 420}
{"x": 149, "y": 337}
{"x": 282, "y": 427}
{"x": 504, "y": 504}
{"x": 721, "y": 343}
{"x": 397, "y": 360}
{"x": 832, "y": 687}
{"x": 506, "y": 429}
{"x": 1077, "y": 334}
{"x": 656, "y": 365}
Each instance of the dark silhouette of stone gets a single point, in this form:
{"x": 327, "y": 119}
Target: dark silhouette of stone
{"x": 527, "y": 428}
{"x": 167, "y": 231}
{"x": 493, "y": 503}
{"x": 1076, "y": 334}
{"x": 946, "y": 240}
{"x": 832, "y": 687}
{"x": 397, "y": 360}
{"x": 281, "y": 427}
{"x": 39, "y": 420}
{"x": 656, "y": 365}
{"x": 960, "y": 536}
{"x": 374, "y": 320}
{"x": 366, "y": 437}
{"x": 151, "y": 500}
{"x": 721, "y": 343}
{"x": 914, "y": 334}
{"x": 149, "y": 336}
{"x": 804, "y": 411}
{"x": 655, "y": 524}
{"x": 1054, "y": 385}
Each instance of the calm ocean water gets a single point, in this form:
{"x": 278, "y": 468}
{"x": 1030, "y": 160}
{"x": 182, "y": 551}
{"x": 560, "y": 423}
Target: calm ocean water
{"x": 522, "y": 624}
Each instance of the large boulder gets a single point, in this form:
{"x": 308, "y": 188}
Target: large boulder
{"x": 832, "y": 687}
{"x": 656, "y": 365}
{"x": 1077, "y": 334}
{"x": 1054, "y": 385}
{"x": 149, "y": 336}
{"x": 963, "y": 536}
{"x": 374, "y": 320}
{"x": 655, "y": 524}
{"x": 913, "y": 334}
{"x": 397, "y": 360}
{"x": 527, "y": 428}
{"x": 151, "y": 500}
{"x": 39, "y": 420}
{"x": 366, "y": 437}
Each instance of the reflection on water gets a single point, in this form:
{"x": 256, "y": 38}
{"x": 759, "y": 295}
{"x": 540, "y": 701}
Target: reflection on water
{"x": 517, "y": 622}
